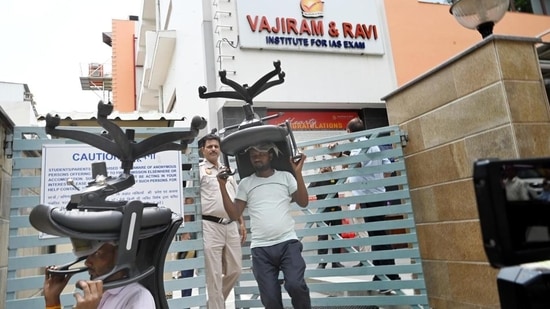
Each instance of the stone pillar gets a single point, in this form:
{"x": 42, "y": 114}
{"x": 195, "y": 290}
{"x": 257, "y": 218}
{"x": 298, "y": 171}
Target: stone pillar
{"x": 488, "y": 101}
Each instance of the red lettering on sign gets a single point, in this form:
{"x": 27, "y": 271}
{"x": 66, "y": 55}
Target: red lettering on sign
{"x": 361, "y": 30}
{"x": 347, "y": 29}
{"x": 309, "y": 120}
{"x": 286, "y": 25}
{"x": 370, "y": 31}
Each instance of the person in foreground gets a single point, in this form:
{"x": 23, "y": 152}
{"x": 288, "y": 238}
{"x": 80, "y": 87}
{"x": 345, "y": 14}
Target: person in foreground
{"x": 101, "y": 258}
{"x": 268, "y": 194}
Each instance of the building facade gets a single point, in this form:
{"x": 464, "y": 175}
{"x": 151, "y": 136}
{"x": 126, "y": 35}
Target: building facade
{"x": 332, "y": 74}
{"x": 338, "y": 59}
{"x": 17, "y": 101}
{"x": 320, "y": 50}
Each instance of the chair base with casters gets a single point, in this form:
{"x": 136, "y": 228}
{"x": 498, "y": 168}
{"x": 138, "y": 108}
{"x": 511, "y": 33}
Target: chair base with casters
{"x": 143, "y": 231}
{"x": 252, "y": 129}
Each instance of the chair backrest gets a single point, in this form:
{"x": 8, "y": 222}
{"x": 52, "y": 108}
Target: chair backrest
{"x": 152, "y": 251}
{"x": 235, "y": 144}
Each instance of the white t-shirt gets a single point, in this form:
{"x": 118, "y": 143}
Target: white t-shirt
{"x": 367, "y": 177}
{"x": 268, "y": 200}
{"x": 131, "y": 296}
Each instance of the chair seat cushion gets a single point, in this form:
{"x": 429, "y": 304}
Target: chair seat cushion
{"x": 61, "y": 222}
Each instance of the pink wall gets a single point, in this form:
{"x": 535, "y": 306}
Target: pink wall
{"x": 425, "y": 35}
{"x": 124, "y": 90}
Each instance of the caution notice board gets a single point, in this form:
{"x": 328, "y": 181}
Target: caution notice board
{"x": 158, "y": 175}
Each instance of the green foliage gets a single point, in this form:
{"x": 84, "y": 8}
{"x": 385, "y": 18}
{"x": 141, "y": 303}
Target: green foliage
{"x": 523, "y": 6}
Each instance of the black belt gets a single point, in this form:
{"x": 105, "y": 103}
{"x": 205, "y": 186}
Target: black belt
{"x": 217, "y": 220}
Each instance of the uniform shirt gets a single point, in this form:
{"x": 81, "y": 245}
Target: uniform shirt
{"x": 131, "y": 296}
{"x": 268, "y": 200}
{"x": 211, "y": 196}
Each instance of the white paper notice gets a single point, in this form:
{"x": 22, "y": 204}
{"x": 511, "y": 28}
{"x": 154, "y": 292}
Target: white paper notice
{"x": 158, "y": 176}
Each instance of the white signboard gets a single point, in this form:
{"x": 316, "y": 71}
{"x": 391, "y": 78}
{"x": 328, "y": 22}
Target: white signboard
{"x": 337, "y": 26}
{"x": 158, "y": 176}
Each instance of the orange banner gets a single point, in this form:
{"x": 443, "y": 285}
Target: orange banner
{"x": 303, "y": 120}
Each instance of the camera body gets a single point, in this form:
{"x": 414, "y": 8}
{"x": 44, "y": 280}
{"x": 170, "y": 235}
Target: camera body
{"x": 513, "y": 199}
{"x": 515, "y": 226}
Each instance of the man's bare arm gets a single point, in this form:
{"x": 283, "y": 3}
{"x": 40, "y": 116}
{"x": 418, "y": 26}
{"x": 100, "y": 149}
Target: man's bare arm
{"x": 300, "y": 196}
{"x": 242, "y": 229}
{"x": 234, "y": 209}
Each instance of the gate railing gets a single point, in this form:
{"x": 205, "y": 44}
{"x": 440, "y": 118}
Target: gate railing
{"x": 28, "y": 255}
{"x": 354, "y": 285}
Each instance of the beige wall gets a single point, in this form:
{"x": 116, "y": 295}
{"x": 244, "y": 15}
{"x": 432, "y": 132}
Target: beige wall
{"x": 488, "y": 101}
{"x": 423, "y": 35}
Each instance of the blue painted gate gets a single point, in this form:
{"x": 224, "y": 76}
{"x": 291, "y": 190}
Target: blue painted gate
{"x": 349, "y": 286}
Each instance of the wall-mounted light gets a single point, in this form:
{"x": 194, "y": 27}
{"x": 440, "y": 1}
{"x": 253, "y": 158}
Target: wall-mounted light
{"x": 479, "y": 14}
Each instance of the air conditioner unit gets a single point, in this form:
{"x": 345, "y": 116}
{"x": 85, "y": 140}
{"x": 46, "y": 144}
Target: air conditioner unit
{"x": 95, "y": 70}
{"x": 27, "y": 96}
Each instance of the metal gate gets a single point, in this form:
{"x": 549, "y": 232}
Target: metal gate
{"x": 28, "y": 255}
{"x": 330, "y": 287}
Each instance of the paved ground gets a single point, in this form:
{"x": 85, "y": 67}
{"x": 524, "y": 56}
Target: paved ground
{"x": 230, "y": 303}
{"x": 344, "y": 307}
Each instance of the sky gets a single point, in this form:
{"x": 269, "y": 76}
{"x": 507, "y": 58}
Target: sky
{"x": 48, "y": 45}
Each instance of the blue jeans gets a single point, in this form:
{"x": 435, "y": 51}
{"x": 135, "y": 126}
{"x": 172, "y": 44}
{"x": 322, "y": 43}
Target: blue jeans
{"x": 186, "y": 274}
{"x": 285, "y": 257}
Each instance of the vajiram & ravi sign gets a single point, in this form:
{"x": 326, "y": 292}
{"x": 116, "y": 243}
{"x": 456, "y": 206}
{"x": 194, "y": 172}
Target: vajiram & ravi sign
{"x": 339, "y": 26}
